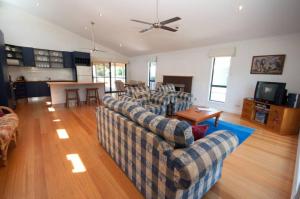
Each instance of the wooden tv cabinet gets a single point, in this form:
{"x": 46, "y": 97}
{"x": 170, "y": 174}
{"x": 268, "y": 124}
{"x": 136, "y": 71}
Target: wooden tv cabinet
{"x": 280, "y": 119}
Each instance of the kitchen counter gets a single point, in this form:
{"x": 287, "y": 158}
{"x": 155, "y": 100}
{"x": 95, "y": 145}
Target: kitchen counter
{"x": 58, "y": 95}
{"x": 73, "y": 83}
{"x": 44, "y": 81}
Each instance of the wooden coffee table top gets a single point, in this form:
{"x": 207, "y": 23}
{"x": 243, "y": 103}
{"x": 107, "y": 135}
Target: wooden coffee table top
{"x": 195, "y": 115}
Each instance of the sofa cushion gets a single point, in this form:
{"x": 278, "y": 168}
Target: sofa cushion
{"x": 144, "y": 96}
{"x": 169, "y": 88}
{"x": 117, "y": 105}
{"x": 176, "y": 133}
{"x": 199, "y": 131}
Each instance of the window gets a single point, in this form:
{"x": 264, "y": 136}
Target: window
{"x": 108, "y": 73}
{"x": 220, "y": 73}
{"x": 152, "y": 74}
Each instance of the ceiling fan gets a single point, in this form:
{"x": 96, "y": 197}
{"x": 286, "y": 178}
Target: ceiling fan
{"x": 93, "y": 49}
{"x": 158, "y": 24}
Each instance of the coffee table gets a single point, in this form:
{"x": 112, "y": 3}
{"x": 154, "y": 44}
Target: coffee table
{"x": 197, "y": 114}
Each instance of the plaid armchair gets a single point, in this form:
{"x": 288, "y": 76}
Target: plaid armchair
{"x": 153, "y": 102}
{"x": 179, "y": 101}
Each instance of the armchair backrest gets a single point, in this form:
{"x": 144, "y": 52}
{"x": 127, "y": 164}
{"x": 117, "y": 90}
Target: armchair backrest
{"x": 130, "y": 90}
{"x": 166, "y": 88}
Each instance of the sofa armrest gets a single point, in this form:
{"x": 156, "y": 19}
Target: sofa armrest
{"x": 184, "y": 96}
{"x": 192, "y": 163}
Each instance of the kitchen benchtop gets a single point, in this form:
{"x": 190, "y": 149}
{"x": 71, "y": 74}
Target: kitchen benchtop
{"x": 73, "y": 83}
{"x": 43, "y": 81}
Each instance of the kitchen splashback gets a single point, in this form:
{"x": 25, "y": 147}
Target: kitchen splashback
{"x": 40, "y": 74}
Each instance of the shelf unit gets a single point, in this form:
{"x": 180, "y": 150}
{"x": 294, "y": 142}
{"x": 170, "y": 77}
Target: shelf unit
{"x": 14, "y": 55}
{"x": 48, "y": 58}
{"x": 280, "y": 119}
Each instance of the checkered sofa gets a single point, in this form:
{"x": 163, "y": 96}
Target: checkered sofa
{"x": 154, "y": 102}
{"x": 158, "y": 154}
{"x": 179, "y": 101}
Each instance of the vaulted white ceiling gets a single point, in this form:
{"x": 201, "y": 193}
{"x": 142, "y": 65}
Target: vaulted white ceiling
{"x": 204, "y": 22}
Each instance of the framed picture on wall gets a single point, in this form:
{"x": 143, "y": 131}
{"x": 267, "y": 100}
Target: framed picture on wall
{"x": 268, "y": 64}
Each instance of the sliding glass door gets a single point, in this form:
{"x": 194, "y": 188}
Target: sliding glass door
{"x": 108, "y": 73}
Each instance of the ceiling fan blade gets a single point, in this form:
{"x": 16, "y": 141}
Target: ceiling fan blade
{"x": 139, "y": 21}
{"x": 170, "y": 20}
{"x": 147, "y": 29}
{"x": 168, "y": 28}
{"x": 103, "y": 51}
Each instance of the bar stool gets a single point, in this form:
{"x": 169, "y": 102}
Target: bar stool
{"x": 72, "y": 94}
{"x": 92, "y": 95}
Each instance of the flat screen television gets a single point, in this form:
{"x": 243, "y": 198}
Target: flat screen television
{"x": 270, "y": 92}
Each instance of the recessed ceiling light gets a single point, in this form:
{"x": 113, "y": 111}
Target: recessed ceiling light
{"x": 241, "y": 7}
{"x": 37, "y": 4}
{"x": 121, "y": 45}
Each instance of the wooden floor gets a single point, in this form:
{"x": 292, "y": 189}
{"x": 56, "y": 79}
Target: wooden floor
{"x": 262, "y": 167}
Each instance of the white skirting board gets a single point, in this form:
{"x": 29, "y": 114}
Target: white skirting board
{"x": 296, "y": 182}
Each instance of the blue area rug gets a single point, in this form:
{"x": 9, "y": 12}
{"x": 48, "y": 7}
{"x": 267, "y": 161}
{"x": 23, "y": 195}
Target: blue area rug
{"x": 242, "y": 132}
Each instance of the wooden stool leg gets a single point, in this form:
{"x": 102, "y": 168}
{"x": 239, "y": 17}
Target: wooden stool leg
{"x": 67, "y": 99}
{"x": 78, "y": 99}
{"x": 97, "y": 97}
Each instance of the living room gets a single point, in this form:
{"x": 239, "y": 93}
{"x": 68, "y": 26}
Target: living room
{"x": 165, "y": 99}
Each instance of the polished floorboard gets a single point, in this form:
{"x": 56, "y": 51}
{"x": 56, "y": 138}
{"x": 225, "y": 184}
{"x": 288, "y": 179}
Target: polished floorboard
{"x": 38, "y": 167}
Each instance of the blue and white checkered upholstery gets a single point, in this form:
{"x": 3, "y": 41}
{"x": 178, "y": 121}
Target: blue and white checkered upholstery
{"x": 179, "y": 101}
{"x": 144, "y": 96}
{"x": 128, "y": 99}
{"x": 157, "y": 104}
{"x": 179, "y": 105}
{"x": 130, "y": 90}
{"x": 176, "y": 133}
{"x": 154, "y": 166}
{"x": 184, "y": 96}
{"x": 156, "y": 109}
{"x": 166, "y": 88}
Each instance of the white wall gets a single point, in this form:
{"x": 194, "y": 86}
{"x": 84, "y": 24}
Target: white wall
{"x": 40, "y": 74}
{"x": 196, "y": 62}
{"x": 23, "y": 29}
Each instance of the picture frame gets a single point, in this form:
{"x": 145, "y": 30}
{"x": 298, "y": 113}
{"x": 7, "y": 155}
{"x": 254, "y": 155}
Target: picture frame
{"x": 267, "y": 64}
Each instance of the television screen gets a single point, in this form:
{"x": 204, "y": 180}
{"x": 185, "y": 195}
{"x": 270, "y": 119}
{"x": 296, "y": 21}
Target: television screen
{"x": 271, "y": 92}
{"x": 267, "y": 91}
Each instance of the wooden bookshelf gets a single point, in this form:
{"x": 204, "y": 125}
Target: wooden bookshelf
{"x": 280, "y": 119}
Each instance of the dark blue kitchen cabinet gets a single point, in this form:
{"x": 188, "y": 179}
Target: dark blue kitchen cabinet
{"x": 44, "y": 89}
{"x": 4, "y": 80}
{"x": 81, "y": 58}
{"x": 68, "y": 60}
{"x": 37, "y": 89}
{"x": 28, "y": 56}
{"x": 20, "y": 90}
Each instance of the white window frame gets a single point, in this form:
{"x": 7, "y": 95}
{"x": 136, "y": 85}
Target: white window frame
{"x": 217, "y": 86}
